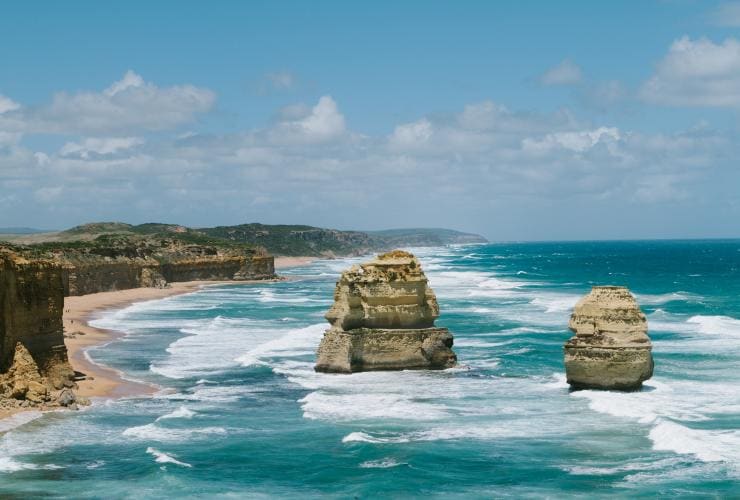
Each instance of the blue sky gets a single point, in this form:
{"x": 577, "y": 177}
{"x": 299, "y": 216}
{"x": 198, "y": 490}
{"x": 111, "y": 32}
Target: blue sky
{"x": 518, "y": 120}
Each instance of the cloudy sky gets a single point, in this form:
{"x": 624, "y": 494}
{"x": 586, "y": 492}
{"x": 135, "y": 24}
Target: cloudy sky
{"x": 518, "y": 120}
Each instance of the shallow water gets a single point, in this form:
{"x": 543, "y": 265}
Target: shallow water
{"x": 242, "y": 413}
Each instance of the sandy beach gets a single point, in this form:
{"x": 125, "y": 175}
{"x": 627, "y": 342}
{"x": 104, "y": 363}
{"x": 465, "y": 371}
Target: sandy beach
{"x": 102, "y": 381}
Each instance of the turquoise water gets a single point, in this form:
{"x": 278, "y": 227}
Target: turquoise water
{"x": 241, "y": 412}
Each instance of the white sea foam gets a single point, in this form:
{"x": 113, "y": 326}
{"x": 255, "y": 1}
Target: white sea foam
{"x": 290, "y": 343}
{"x": 475, "y": 432}
{"x": 357, "y": 406}
{"x": 18, "y": 420}
{"x": 181, "y": 412}
{"x": 716, "y": 325}
{"x": 153, "y": 432}
{"x": 555, "y": 303}
{"x": 384, "y": 463}
{"x": 665, "y": 298}
{"x": 706, "y": 445}
{"x": 664, "y": 404}
{"x": 164, "y": 458}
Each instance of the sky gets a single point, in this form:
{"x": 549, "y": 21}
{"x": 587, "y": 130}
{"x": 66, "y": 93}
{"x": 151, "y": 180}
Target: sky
{"x": 517, "y": 120}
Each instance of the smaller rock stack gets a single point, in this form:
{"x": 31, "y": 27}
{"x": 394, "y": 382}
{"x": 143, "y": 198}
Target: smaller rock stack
{"x": 610, "y": 349}
{"x": 383, "y": 319}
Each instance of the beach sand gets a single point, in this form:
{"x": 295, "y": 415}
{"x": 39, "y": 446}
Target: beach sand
{"x": 102, "y": 381}
{"x": 99, "y": 381}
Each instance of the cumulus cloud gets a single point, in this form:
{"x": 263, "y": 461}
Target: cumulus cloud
{"x": 697, "y": 73}
{"x": 128, "y": 104}
{"x": 100, "y": 146}
{"x": 565, "y": 73}
{"x": 7, "y": 104}
{"x": 579, "y": 141}
{"x": 309, "y": 166}
{"x": 322, "y": 123}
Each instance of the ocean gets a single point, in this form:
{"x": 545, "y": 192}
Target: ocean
{"x": 242, "y": 414}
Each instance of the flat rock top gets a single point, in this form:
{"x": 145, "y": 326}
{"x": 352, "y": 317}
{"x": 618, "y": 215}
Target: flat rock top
{"x": 393, "y": 266}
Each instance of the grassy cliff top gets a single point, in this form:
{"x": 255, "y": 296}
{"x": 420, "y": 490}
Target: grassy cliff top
{"x": 277, "y": 239}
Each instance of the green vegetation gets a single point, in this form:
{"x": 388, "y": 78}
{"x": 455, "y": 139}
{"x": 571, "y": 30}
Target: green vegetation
{"x": 291, "y": 240}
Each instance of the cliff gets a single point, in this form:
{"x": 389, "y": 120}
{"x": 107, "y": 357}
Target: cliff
{"x": 118, "y": 262}
{"x": 34, "y": 369}
{"x": 383, "y": 319}
{"x": 610, "y": 349}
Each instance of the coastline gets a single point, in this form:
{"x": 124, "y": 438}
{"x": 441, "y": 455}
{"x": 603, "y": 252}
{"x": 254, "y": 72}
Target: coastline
{"x": 101, "y": 381}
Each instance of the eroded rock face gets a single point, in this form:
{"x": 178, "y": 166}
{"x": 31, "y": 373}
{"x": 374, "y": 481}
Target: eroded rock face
{"x": 610, "y": 349}
{"x": 34, "y": 369}
{"x": 383, "y": 319}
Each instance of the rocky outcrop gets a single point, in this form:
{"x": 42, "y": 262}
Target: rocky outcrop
{"x": 610, "y": 349}
{"x": 383, "y": 319}
{"x": 34, "y": 369}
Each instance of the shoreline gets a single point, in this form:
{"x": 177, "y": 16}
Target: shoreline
{"x": 103, "y": 381}
{"x": 100, "y": 381}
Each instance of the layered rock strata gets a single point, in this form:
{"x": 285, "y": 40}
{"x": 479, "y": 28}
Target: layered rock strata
{"x": 611, "y": 348}
{"x": 120, "y": 264}
{"x": 383, "y": 319}
{"x": 34, "y": 369}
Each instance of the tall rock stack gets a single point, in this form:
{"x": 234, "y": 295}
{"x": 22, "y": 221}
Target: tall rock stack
{"x": 383, "y": 319}
{"x": 610, "y": 349}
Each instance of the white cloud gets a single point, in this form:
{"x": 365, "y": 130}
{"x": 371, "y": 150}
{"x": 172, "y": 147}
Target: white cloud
{"x": 100, "y": 146}
{"x": 565, "y": 73}
{"x": 308, "y": 167}
{"x": 697, "y": 73}
{"x": 412, "y": 135}
{"x": 578, "y": 142}
{"x": 128, "y": 104}
{"x": 129, "y": 80}
{"x": 7, "y": 104}
{"x": 323, "y": 123}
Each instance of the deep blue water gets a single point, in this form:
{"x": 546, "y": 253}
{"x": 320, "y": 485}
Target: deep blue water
{"x": 242, "y": 414}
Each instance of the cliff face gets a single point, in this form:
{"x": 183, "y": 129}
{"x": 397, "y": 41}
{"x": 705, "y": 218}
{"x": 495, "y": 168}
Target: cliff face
{"x": 610, "y": 349}
{"x": 383, "y": 319}
{"x": 132, "y": 262}
{"x": 34, "y": 369}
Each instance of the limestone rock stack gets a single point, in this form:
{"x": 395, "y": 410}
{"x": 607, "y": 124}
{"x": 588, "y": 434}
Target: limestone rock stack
{"x": 383, "y": 319}
{"x": 610, "y": 349}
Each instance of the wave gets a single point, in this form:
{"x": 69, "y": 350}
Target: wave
{"x": 164, "y": 458}
{"x": 706, "y": 445}
{"x": 19, "y": 419}
{"x": 665, "y": 298}
{"x": 716, "y": 325}
{"x": 556, "y": 303}
{"x": 478, "y": 432}
{"x": 152, "y": 432}
{"x": 665, "y": 404}
{"x": 181, "y": 412}
{"x": 384, "y": 463}
{"x": 297, "y": 342}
